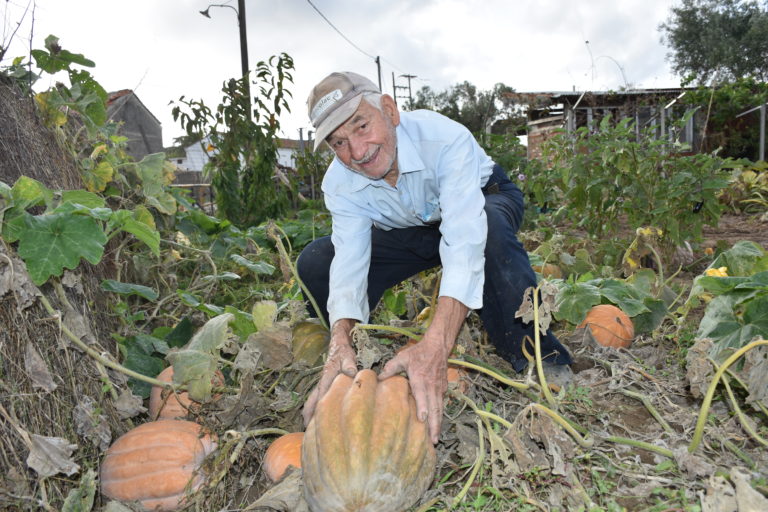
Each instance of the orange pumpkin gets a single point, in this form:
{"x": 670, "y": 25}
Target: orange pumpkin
{"x": 364, "y": 449}
{"x": 610, "y": 326}
{"x": 165, "y": 404}
{"x": 283, "y": 452}
{"x": 156, "y": 463}
{"x": 549, "y": 270}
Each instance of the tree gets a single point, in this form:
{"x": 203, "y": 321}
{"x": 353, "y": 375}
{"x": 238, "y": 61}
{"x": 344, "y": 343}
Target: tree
{"x": 478, "y": 110}
{"x": 727, "y": 39}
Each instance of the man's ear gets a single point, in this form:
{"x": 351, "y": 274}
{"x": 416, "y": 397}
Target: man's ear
{"x": 389, "y": 108}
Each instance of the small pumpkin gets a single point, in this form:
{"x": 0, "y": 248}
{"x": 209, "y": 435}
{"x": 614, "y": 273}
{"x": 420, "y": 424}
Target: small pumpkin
{"x": 165, "y": 404}
{"x": 310, "y": 341}
{"x": 610, "y": 326}
{"x": 156, "y": 463}
{"x": 549, "y": 270}
{"x": 365, "y": 449}
{"x": 284, "y": 451}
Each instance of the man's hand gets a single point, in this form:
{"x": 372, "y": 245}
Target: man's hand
{"x": 341, "y": 359}
{"x": 426, "y": 363}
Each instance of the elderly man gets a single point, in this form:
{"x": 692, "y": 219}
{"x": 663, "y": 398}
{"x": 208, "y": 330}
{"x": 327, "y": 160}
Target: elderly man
{"x": 408, "y": 192}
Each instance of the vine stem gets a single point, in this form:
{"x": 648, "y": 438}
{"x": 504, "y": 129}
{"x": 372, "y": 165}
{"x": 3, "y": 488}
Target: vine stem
{"x": 641, "y": 444}
{"x": 651, "y": 409}
{"x": 584, "y": 442}
{"x": 475, "y": 468}
{"x": 387, "y": 328}
{"x": 103, "y": 360}
{"x": 504, "y": 380}
{"x": 699, "y": 431}
{"x": 537, "y": 347}
{"x": 272, "y": 232}
{"x": 742, "y": 418}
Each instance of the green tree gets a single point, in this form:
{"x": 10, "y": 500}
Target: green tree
{"x": 476, "y": 109}
{"x": 723, "y": 38}
{"x": 244, "y": 142}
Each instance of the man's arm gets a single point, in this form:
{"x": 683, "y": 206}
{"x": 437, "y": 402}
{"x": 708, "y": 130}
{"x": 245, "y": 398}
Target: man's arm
{"x": 341, "y": 359}
{"x": 426, "y": 362}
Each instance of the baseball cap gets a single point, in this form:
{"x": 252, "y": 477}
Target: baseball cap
{"x": 334, "y": 100}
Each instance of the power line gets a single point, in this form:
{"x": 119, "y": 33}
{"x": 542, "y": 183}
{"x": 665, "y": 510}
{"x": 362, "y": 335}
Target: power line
{"x": 339, "y": 31}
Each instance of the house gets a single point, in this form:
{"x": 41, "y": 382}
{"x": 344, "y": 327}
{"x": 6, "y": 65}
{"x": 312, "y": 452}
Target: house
{"x": 139, "y": 125}
{"x": 551, "y": 112}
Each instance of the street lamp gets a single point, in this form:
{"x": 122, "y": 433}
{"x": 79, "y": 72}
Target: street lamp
{"x": 240, "y": 11}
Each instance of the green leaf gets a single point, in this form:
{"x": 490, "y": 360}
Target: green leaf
{"x": 622, "y": 295}
{"x": 263, "y": 314}
{"x": 97, "y": 179}
{"x": 27, "y": 192}
{"x": 223, "y": 276}
{"x": 258, "y": 267}
{"x": 395, "y": 303}
{"x": 575, "y": 300}
{"x": 54, "y": 242}
{"x": 151, "y": 344}
{"x": 87, "y": 199}
{"x": 181, "y": 333}
{"x": 130, "y": 222}
{"x": 154, "y": 175}
{"x": 656, "y": 310}
{"x": 129, "y": 289}
{"x": 195, "y": 364}
{"x": 242, "y": 323}
{"x": 138, "y": 360}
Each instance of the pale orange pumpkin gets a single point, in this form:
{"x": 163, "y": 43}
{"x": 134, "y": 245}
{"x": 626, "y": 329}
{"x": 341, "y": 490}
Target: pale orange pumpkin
{"x": 156, "y": 463}
{"x": 165, "y": 404}
{"x": 365, "y": 449}
{"x": 549, "y": 270}
{"x": 284, "y": 451}
{"x": 610, "y": 326}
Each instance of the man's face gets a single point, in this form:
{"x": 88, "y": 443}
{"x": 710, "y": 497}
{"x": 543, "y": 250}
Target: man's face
{"x": 366, "y": 142}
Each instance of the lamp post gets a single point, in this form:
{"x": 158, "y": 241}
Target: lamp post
{"x": 240, "y": 11}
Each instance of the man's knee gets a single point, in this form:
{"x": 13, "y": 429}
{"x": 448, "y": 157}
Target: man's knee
{"x": 315, "y": 259}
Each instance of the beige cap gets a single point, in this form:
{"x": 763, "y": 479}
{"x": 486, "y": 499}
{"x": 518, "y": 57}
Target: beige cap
{"x": 334, "y": 100}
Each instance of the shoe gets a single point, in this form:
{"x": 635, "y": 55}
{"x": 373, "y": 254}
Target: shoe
{"x": 560, "y": 374}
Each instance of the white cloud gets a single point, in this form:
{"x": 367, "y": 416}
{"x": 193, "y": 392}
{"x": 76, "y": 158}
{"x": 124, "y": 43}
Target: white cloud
{"x": 166, "y": 49}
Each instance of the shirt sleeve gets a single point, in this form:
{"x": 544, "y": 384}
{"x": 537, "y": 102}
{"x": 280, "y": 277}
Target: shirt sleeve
{"x": 464, "y": 227}
{"x": 348, "y": 283}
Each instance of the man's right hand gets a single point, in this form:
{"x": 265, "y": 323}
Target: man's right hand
{"x": 341, "y": 359}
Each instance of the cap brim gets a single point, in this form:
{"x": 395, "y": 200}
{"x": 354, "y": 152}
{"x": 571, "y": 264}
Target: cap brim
{"x": 336, "y": 119}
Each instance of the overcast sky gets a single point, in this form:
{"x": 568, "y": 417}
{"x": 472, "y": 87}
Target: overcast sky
{"x": 163, "y": 49}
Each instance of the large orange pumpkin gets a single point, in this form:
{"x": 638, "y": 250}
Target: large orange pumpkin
{"x": 365, "y": 449}
{"x": 283, "y": 452}
{"x": 165, "y": 404}
{"x": 610, "y": 326}
{"x": 156, "y": 463}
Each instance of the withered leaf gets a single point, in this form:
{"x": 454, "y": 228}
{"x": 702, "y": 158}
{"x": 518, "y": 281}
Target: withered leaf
{"x": 285, "y": 496}
{"x": 129, "y": 405}
{"x": 37, "y": 369}
{"x": 49, "y": 456}
{"x": 273, "y": 343}
{"x": 91, "y": 425}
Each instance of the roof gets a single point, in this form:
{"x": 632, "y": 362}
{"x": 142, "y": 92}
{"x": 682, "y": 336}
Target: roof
{"x": 549, "y": 97}
{"x": 116, "y": 99}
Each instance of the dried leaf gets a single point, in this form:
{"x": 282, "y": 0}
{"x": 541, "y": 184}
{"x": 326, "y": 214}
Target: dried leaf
{"x": 537, "y": 441}
{"x": 129, "y": 405}
{"x": 15, "y": 279}
{"x": 369, "y": 352}
{"x": 49, "y": 456}
{"x": 72, "y": 280}
{"x": 80, "y": 499}
{"x": 755, "y": 374}
{"x": 719, "y": 496}
{"x": 698, "y": 369}
{"x": 37, "y": 369}
{"x": 747, "y": 498}
{"x": 691, "y": 464}
{"x": 90, "y": 425}
{"x": 273, "y": 344}
{"x": 285, "y": 496}
{"x": 547, "y": 305}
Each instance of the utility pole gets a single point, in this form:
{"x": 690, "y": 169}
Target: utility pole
{"x": 240, "y": 11}
{"x": 410, "y": 95}
{"x": 378, "y": 70}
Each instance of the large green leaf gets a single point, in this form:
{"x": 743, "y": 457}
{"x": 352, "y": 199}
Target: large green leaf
{"x": 82, "y": 197}
{"x": 137, "y": 224}
{"x": 180, "y": 334}
{"x": 146, "y": 292}
{"x": 574, "y": 300}
{"x": 139, "y": 358}
{"x": 652, "y": 318}
{"x": 155, "y": 177}
{"x": 258, "y": 267}
{"x": 624, "y": 296}
{"x": 54, "y": 242}
{"x": 28, "y": 192}
{"x": 195, "y": 364}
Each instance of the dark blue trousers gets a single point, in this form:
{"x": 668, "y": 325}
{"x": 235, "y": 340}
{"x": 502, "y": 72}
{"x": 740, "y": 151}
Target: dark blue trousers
{"x": 399, "y": 254}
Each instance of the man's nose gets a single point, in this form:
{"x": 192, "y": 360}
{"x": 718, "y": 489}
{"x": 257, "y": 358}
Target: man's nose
{"x": 358, "y": 148}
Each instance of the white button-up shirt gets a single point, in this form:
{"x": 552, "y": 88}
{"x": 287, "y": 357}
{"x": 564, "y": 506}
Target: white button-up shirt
{"x": 442, "y": 169}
